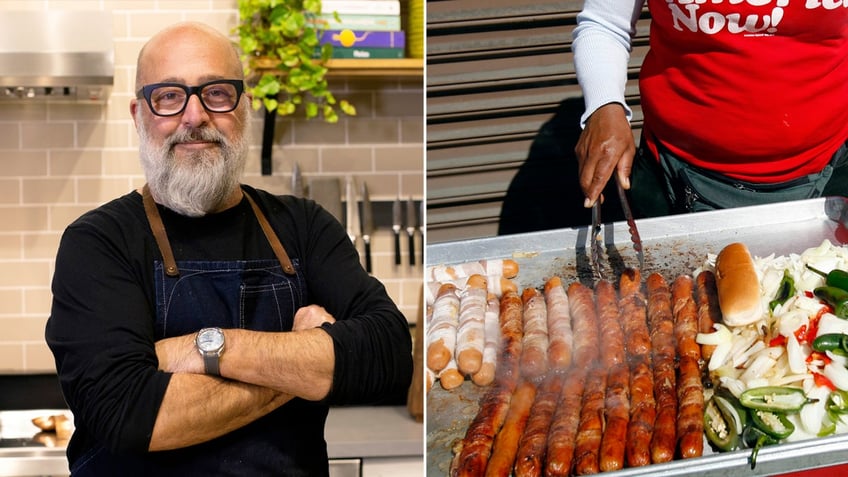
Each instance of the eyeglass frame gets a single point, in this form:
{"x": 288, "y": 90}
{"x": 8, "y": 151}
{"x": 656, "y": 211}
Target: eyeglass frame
{"x": 190, "y": 91}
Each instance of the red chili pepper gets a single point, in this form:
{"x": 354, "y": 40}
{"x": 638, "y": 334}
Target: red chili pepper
{"x": 822, "y": 380}
{"x": 778, "y": 340}
{"x": 809, "y": 294}
{"x": 818, "y": 356}
{"x": 801, "y": 334}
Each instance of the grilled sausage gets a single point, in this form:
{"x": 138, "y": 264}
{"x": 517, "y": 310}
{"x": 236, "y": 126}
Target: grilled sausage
{"x": 472, "y": 452}
{"x": 685, "y": 313}
{"x": 505, "y": 446}
{"x": 643, "y": 413}
{"x": 690, "y": 414}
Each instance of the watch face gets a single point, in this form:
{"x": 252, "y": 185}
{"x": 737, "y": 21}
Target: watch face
{"x": 210, "y": 339}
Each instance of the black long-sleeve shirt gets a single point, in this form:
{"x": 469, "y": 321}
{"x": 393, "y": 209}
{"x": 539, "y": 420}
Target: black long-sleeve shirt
{"x": 101, "y": 329}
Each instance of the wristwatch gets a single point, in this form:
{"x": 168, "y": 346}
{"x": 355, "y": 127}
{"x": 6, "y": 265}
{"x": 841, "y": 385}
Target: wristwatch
{"x": 210, "y": 344}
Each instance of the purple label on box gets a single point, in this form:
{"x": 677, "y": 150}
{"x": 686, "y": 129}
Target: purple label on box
{"x": 372, "y": 39}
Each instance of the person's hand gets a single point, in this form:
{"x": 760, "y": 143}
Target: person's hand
{"x": 311, "y": 316}
{"x": 179, "y": 355}
{"x": 605, "y": 145}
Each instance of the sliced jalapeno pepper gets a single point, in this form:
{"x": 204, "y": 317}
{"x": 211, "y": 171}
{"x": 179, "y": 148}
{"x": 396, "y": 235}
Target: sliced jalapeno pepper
{"x": 835, "y": 278}
{"x": 775, "y": 399}
{"x": 835, "y": 297}
{"x": 837, "y": 402}
{"x": 754, "y": 438}
{"x": 774, "y": 424}
{"x": 836, "y": 343}
{"x": 741, "y": 411}
{"x": 785, "y": 290}
{"x": 720, "y": 425}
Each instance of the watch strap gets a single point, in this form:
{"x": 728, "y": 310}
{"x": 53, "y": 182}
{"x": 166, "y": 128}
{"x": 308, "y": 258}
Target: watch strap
{"x": 211, "y": 361}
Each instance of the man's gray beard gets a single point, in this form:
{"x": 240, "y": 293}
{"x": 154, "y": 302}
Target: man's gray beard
{"x": 200, "y": 182}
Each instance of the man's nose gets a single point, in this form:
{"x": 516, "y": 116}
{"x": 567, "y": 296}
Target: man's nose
{"x": 195, "y": 114}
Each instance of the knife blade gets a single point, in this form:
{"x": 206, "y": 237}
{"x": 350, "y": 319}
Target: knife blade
{"x": 397, "y": 219}
{"x": 421, "y": 221}
{"x": 367, "y": 225}
{"x": 410, "y": 228}
{"x": 596, "y": 241}
{"x": 297, "y": 181}
{"x": 631, "y": 224}
{"x": 351, "y": 219}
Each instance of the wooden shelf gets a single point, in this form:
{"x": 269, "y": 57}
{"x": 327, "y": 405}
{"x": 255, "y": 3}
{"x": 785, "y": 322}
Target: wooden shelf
{"x": 345, "y": 68}
{"x": 375, "y": 67}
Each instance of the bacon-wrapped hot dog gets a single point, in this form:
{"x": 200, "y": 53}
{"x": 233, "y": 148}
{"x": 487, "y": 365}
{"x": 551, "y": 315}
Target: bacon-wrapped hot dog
{"x": 643, "y": 413}
{"x": 495, "y": 285}
{"x": 690, "y": 392}
{"x": 584, "y": 324}
{"x": 492, "y": 331}
{"x": 685, "y": 317}
{"x": 512, "y": 333}
{"x": 534, "y": 352}
{"x": 499, "y": 267}
{"x": 617, "y": 417}
{"x": 587, "y": 444}
{"x": 472, "y": 452}
{"x": 441, "y": 332}
{"x": 633, "y": 309}
{"x": 663, "y": 440}
{"x": 505, "y": 446}
{"x": 560, "y": 337}
{"x": 559, "y": 456}
{"x": 529, "y": 462}
{"x": 709, "y": 312}
{"x": 450, "y": 377}
{"x": 612, "y": 338}
{"x": 690, "y": 414}
{"x": 470, "y": 332}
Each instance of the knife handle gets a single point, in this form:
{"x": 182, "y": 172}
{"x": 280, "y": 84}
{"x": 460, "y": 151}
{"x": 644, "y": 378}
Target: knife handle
{"x": 412, "y": 248}
{"x": 397, "y": 247}
{"x": 368, "y": 256}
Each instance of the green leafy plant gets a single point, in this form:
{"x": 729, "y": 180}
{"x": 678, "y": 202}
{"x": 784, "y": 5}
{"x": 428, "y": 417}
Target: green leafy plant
{"x": 279, "y": 41}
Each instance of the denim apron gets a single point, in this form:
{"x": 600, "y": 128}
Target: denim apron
{"x": 259, "y": 295}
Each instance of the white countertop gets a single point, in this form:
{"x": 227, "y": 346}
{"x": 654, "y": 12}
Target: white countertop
{"x": 380, "y": 431}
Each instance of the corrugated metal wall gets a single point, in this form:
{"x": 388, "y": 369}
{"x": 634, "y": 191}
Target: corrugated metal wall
{"x": 496, "y": 72}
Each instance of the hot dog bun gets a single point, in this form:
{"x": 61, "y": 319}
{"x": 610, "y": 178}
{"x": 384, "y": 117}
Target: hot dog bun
{"x": 738, "y": 286}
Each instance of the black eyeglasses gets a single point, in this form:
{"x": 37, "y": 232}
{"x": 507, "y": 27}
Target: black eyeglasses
{"x": 170, "y": 99}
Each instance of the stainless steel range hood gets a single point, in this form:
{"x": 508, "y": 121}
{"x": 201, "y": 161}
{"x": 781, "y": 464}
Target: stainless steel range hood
{"x": 56, "y": 55}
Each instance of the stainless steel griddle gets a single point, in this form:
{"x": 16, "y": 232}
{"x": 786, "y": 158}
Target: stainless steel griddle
{"x": 673, "y": 246}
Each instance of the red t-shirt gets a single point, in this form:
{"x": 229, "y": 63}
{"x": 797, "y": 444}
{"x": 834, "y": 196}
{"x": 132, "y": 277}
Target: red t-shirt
{"x": 754, "y": 89}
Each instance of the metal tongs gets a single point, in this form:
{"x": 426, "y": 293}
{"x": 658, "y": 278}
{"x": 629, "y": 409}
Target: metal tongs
{"x": 597, "y": 246}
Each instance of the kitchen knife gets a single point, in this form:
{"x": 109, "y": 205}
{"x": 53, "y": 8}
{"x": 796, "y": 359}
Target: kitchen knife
{"x": 411, "y": 225}
{"x": 351, "y": 219}
{"x": 631, "y": 224}
{"x": 297, "y": 181}
{"x": 366, "y": 220}
{"x": 397, "y": 219}
{"x": 596, "y": 241}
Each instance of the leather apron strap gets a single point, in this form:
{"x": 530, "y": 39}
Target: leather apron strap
{"x": 164, "y": 245}
{"x": 159, "y": 233}
{"x": 279, "y": 251}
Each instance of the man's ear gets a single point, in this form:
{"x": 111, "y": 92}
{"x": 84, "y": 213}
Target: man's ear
{"x": 133, "y": 109}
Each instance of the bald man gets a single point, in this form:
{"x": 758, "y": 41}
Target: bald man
{"x": 203, "y": 327}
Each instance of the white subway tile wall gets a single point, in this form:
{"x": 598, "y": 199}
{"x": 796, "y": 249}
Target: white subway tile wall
{"x": 62, "y": 159}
